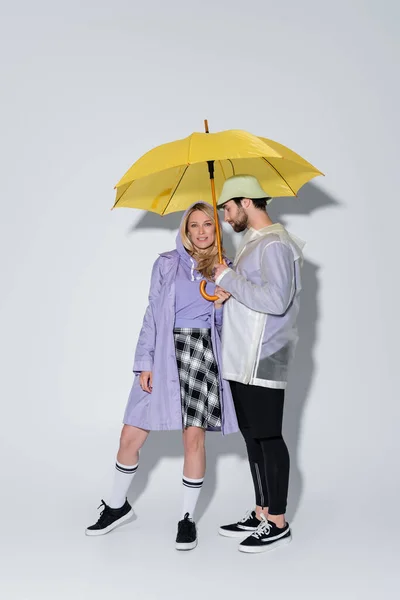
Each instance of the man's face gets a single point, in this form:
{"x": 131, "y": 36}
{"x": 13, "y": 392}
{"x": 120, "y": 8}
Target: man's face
{"x": 236, "y": 216}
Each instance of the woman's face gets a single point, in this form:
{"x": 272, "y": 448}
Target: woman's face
{"x": 201, "y": 230}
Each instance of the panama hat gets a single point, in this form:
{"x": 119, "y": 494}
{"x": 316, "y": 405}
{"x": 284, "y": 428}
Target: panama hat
{"x": 241, "y": 186}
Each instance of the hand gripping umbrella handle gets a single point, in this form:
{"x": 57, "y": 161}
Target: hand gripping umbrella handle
{"x": 204, "y": 293}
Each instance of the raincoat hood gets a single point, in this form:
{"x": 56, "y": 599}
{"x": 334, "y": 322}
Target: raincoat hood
{"x": 295, "y": 242}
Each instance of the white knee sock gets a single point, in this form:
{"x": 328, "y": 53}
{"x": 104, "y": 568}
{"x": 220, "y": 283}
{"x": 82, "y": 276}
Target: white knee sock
{"x": 191, "y": 492}
{"x": 122, "y": 480}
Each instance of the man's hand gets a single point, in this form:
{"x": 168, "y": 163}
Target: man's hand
{"x": 218, "y": 269}
{"x": 223, "y": 296}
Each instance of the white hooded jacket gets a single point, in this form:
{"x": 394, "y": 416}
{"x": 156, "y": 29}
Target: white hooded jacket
{"x": 259, "y": 332}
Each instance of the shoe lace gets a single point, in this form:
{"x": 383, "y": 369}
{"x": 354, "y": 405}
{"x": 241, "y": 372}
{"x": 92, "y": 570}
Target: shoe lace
{"x": 186, "y": 523}
{"x": 104, "y": 505}
{"x": 263, "y": 528}
{"x": 247, "y": 516}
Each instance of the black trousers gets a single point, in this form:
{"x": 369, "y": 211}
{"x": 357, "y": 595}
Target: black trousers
{"x": 260, "y": 413}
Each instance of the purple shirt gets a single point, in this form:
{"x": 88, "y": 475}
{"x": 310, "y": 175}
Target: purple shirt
{"x": 191, "y": 309}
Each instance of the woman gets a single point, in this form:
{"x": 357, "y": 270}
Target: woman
{"x": 178, "y": 383}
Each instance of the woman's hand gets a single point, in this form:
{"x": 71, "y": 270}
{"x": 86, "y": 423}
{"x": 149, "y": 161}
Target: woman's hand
{"x": 222, "y": 296}
{"x": 146, "y": 381}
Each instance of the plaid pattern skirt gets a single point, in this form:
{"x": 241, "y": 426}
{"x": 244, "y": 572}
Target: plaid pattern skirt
{"x": 198, "y": 376}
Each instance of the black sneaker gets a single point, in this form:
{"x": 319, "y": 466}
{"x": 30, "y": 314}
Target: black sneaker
{"x": 186, "y": 538}
{"x": 245, "y": 526}
{"x": 267, "y": 537}
{"x": 110, "y": 518}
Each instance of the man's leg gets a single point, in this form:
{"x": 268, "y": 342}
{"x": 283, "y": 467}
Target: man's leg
{"x": 250, "y": 522}
{"x": 277, "y": 465}
{"x": 258, "y": 472}
{"x": 255, "y": 454}
{"x": 265, "y": 413}
{"x": 275, "y": 453}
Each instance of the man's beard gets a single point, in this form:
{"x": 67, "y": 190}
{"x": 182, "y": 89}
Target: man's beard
{"x": 241, "y": 221}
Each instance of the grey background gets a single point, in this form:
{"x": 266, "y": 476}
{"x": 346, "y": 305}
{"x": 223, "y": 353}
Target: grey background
{"x": 86, "y": 88}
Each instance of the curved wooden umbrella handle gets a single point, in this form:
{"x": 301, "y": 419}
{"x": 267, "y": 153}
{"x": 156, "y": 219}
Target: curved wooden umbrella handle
{"x": 204, "y": 293}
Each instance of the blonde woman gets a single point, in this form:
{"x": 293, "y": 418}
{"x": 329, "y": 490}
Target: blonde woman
{"x": 178, "y": 382}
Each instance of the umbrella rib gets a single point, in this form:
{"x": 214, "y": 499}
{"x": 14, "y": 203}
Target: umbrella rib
{"x": 122, "y": 195}
{"x": 173, "y": 193}
{"x": 281, "y": 176}
{"x": 233, "y": 168}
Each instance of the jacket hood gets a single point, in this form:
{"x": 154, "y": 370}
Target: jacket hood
{"x": 295, "y": 242}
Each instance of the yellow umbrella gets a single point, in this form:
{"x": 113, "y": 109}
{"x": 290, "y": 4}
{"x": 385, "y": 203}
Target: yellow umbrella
{"x": 171, "y": 177}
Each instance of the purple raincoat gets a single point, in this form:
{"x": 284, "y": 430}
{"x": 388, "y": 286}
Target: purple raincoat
{"x": 155, "y": 351}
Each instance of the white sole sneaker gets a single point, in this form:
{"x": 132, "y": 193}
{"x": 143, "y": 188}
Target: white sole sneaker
{"x": 266, "y": 547}
{"x": 121, "y": 521}
{"x": 187, "y": 546}
{"x": 236, "y": 534}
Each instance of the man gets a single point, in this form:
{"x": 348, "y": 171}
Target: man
{"x": 258, "y": 341}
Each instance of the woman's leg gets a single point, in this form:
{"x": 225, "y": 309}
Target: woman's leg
{"x": 118, "y": 510}
{"x": 132, "y": 439}
{"x": 194, "y": 467}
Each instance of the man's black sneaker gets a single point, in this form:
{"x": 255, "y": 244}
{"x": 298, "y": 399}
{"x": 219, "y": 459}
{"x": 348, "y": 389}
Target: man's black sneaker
{"x": 245, "y": 526}
{"x": 186, "y": 538}
{"x": 267, "y": 537}
{"x": 110, "y": 518}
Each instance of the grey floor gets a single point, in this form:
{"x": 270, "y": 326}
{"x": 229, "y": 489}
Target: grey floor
{"x": 340, "y": 548}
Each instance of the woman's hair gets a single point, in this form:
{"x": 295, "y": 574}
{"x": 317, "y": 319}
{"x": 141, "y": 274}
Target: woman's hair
{"x": 206, "y": 259}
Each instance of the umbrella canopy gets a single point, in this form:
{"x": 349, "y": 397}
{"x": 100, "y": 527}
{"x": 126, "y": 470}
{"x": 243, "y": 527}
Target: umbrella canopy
{"x": 172, "y": 176}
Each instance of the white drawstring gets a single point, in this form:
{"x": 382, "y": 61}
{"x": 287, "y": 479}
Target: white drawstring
{"x": 192, "y": 271}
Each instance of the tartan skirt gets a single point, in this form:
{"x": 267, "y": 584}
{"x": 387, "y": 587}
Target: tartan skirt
{"x": 199, "y": 379}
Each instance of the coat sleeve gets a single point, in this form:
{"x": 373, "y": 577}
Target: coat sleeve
{"x": 219, "y": 313}
{"x": 277, "y": 289}
{"x": 144, "y": 354}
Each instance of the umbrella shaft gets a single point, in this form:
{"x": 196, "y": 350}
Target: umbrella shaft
{"x": 214, "y": 198}
{"x": 217, "y": 230}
